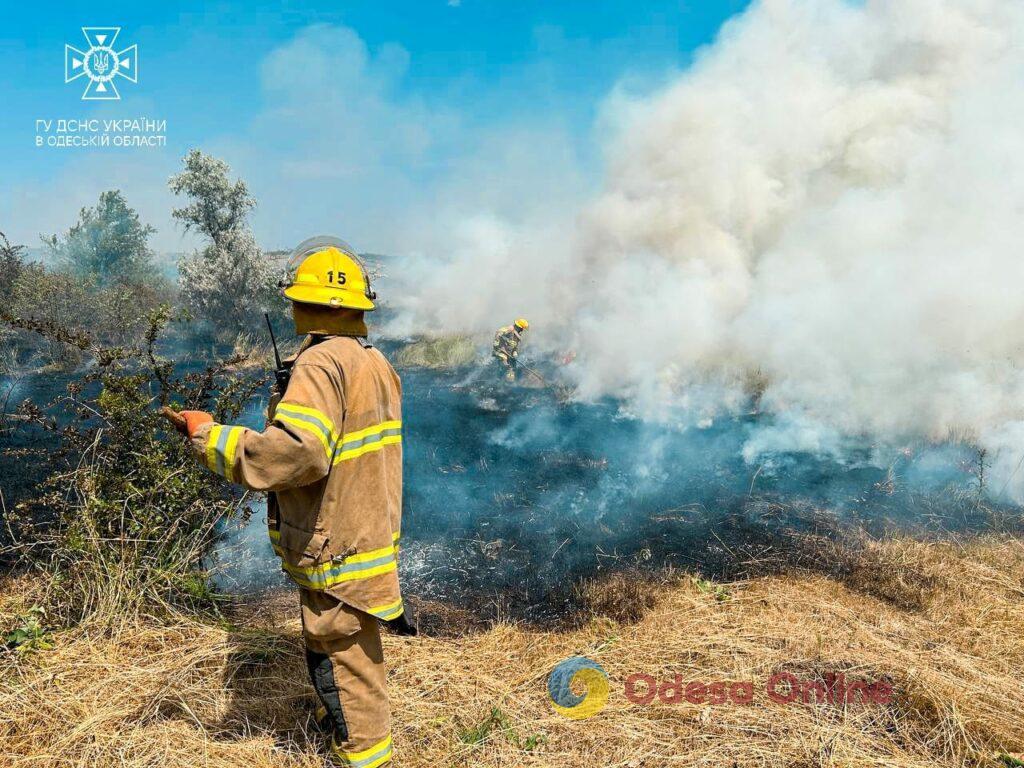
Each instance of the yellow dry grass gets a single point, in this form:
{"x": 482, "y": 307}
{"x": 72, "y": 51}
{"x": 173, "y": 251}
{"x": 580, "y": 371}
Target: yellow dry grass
{"x": 942, "y": 621}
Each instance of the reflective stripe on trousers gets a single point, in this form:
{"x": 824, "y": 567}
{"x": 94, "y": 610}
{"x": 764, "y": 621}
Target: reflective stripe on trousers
{"x": 376, "y": 755}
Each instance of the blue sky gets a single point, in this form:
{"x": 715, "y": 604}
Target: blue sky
{"x": 346, "y": 116}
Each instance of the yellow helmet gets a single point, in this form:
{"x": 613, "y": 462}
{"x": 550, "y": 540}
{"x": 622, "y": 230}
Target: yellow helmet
{"x": 325, "y": 270}
{"x": 521, "y": 324}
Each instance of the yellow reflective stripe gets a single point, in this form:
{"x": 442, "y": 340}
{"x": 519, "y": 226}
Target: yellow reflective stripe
{"x": 211, "y": 447}
{"x": 314, "y": 425}
{"x": 362, "y": 565}
{"x": 221, "y": 448}
{"x": 304, "y": 410}
{"x": 324, "y": 577}
{"x": 373, "y": 554}
{"x": 376, "y": 755}
{"x": 355, "y": 444}
{"x": 229, "y": 453}
{"x": 389, "y": 611}
{"x": 367, "y": 448}
{"x": 349, "y": 436}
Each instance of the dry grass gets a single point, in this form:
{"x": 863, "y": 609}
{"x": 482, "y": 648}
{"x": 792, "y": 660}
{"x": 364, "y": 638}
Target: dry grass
{"x": 440, "y": 352}
{"x": 941, "y": 621}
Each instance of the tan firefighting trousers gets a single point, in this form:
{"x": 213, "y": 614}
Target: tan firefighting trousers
{"x": 346, "y": 664}
{"x": 508, "y": 365}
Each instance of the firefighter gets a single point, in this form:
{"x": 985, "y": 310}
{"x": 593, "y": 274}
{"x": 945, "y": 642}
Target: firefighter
{"x": 331, "y": 459}
{"x": 506, "y": 346}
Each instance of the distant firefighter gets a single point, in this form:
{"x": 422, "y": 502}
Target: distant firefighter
{"x": 506, "y": 346}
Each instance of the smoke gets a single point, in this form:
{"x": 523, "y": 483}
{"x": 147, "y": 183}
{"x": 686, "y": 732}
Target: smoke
{"x": 794, "y": 299}
{"x": 825, "y": 208}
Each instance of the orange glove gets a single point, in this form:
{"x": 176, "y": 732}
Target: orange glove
{"x": 186, "y": 422}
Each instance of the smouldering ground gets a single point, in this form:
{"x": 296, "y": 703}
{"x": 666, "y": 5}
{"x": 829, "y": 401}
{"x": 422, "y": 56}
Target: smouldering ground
{"x": 942, "y": 622}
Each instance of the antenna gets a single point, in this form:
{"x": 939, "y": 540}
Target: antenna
{"x": 282, "y": 373}
{"x": 273, "y": 341}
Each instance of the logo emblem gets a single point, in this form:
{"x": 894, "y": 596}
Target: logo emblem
{"x": 101, "y": 63}
{"x": 574, "y": 705}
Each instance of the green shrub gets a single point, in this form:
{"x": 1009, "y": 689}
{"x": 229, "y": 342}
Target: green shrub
{"x": 36, "y": 297}
{"x": 29, "y": 633}
{"x": 126, "y": 514}
{"x": 108, "y": 244}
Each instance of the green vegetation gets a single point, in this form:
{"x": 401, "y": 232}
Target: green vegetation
{"x": 124, "y": 514}
{"x": 498, "y": 722}
{"x": 39, "y": 298}
{"x": 29, "y": 634}
{"x": 113, "y": 515}
{"x": 720, "y": 593}
{"x": 108, "y": 244}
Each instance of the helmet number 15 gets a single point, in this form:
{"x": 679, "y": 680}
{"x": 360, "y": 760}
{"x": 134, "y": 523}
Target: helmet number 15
{"x": 339, "y": 275}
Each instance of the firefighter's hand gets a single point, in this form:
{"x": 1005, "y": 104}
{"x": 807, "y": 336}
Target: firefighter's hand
{"x": 186, "y": 422}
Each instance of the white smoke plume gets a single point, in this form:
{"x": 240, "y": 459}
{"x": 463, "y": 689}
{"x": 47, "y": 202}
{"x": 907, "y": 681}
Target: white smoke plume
{"x": 829, "y": 201}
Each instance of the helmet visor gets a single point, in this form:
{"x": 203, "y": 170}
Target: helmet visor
{"x": 311, "y": 246}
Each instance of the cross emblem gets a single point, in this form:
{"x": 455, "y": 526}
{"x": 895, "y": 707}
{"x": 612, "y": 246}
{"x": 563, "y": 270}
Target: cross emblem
{"x": 101, "y": 63}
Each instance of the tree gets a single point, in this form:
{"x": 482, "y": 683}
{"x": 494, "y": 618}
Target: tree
{"x": 11, "y": 264}
{"x": 108, "y": 243}
{"x": 230, "y": 281}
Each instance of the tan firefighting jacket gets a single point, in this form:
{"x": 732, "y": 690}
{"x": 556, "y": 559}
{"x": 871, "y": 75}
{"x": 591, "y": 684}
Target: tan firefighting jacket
{"x": 332, "y": 456}
{"x": 506, "y": 343}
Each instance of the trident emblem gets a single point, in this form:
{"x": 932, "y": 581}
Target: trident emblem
{"x": 101, "y": 63}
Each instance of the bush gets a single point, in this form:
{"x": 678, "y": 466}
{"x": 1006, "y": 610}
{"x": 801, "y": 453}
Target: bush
{"x": 36, "y": 297}
{"x": 126, "y": 513}
{"x": 108, "y": 244}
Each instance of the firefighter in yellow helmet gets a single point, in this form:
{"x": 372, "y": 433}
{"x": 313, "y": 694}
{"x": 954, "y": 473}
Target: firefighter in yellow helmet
{"x": 331, "y": 458}
{"x": 506, "y": 346}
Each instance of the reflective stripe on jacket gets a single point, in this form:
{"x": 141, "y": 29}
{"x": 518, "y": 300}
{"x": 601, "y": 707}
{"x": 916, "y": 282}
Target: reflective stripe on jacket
{"x": 506, "y": 342}
{"x": 332, "y": 455}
